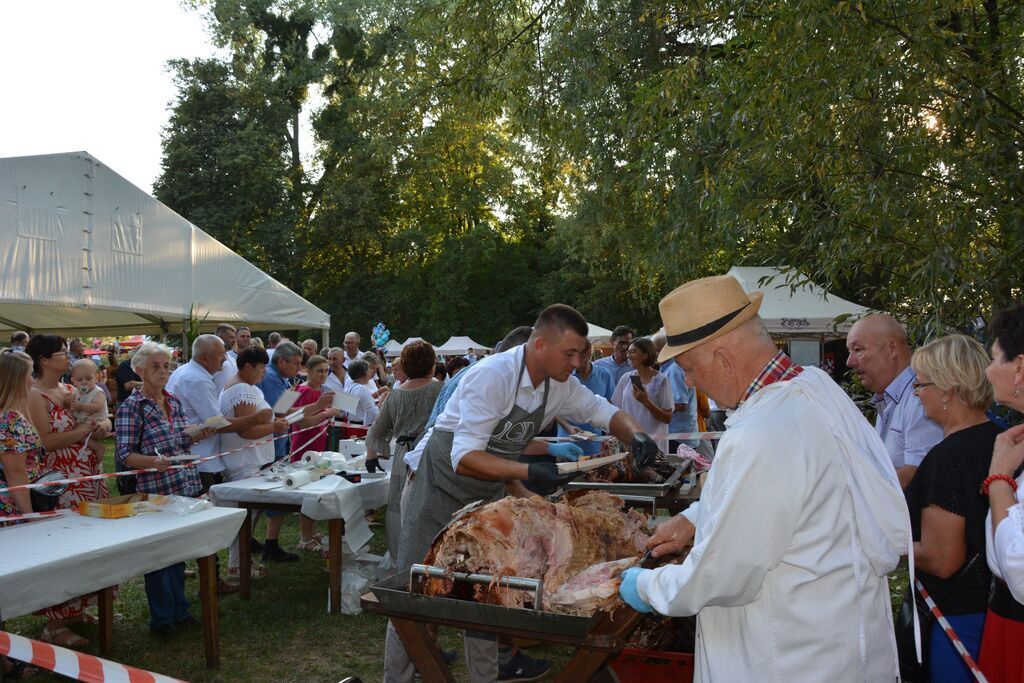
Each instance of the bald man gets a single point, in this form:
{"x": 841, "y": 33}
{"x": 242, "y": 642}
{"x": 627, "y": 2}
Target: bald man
{"x": 880, "y": 355}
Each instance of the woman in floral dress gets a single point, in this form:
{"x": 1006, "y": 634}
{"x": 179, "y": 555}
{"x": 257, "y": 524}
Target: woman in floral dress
{"x": 21, "y": 449}
{"x": 63, "y": 439}
{"x": 48, "y": 405}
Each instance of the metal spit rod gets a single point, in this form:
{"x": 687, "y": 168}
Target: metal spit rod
{"x": 519, "y": 582}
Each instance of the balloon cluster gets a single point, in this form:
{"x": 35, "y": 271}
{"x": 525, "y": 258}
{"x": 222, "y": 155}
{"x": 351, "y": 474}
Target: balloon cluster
{"x": 380, "y": 335}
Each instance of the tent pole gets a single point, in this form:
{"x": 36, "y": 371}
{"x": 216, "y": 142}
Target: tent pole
{"x": 185, "y": 349}
{"x": 325, "y": 338}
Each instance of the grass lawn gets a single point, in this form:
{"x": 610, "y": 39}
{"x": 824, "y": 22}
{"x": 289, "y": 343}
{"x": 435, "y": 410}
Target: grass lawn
{"x": 283, "y": 634}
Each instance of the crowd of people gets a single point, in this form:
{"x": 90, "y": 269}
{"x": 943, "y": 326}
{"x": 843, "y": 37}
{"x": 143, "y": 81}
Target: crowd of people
{"x": 806, "y": 510}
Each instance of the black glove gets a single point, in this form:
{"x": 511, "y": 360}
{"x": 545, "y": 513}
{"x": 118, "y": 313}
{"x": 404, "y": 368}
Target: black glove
{"x": 546, "y": 477}
{"x": 643, "y": 449}
{"x": 372, "y": 466}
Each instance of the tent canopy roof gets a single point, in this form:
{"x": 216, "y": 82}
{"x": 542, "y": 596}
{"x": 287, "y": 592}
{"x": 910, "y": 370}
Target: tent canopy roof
{"x": 459, "y": 346}
{"x": 598, "y": 334}
{"x": 809, "y": 310}
{"x": 87, "y": 252}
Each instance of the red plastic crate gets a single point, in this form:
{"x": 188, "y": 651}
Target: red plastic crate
{"x": 651, "y": 666}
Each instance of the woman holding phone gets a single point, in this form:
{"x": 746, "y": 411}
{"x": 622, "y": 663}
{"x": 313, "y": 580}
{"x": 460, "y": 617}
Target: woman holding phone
{"x": 645, "y": 393}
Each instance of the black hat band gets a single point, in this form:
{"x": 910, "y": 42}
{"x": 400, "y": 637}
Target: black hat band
{"x": 704, "y": 330}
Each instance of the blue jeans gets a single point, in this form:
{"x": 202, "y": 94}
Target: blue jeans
{"x": 944, "y": 663}
{"x": 165, "y": 590}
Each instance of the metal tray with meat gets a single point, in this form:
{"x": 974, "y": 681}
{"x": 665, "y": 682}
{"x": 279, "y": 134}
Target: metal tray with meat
{"x": 524, "y": 563}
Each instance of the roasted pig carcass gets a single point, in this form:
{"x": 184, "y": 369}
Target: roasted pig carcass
{"x": 531, "y": 537}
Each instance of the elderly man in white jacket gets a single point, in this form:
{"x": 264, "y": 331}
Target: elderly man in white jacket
{"x": 800, "y": 518}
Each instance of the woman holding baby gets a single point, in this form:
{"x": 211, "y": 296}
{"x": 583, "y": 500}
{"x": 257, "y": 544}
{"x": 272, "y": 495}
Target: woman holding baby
{"x": 52, "y": 406}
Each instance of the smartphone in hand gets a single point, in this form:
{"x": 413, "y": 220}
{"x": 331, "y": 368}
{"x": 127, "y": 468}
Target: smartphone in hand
{"x": 637, "y": 384}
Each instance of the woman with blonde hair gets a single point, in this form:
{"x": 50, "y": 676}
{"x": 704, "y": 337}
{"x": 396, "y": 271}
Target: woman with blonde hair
{"x": 21, "y": 449}
{"x": 947, "y": 509}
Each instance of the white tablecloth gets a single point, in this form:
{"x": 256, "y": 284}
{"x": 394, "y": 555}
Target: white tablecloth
{"x": 47, "y": 562}
{"x": 330, "y": 498}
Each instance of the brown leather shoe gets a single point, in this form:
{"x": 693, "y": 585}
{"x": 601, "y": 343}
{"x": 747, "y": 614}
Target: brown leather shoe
{"x": 225, "y": 588}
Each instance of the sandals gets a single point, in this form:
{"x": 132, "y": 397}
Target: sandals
{"x": 62, "y": 636}
{"x": 312, "y": 545}
{"x": 256, "y": 571}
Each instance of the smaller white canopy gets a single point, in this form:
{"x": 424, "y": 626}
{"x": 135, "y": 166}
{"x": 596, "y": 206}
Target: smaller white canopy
{"x": 410, "y": 340}
{"x": 808, "y": 310}
{"x": 458, "y": 346}
{"x": 598, "y": 334}
{"x": 392, "y": 349}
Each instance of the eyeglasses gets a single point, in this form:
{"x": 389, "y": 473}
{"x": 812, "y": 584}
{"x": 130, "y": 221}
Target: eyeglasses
{"x": 919, "y": 385}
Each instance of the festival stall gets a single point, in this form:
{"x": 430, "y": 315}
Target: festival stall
{"x": 85, "y": 252}
{"x": 459, "y": 346}
{"x": 801, "y": 319}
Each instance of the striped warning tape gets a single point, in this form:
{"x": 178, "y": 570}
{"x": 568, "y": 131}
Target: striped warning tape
{"x": 958, "y": 644}
{"x": 76, "y": 665}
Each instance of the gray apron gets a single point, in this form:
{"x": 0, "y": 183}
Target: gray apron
{"x": 438, "y": 491}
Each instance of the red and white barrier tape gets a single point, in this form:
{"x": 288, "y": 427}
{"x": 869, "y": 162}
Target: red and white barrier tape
{"x": 28, "y": 516}
{"x": 958, "y": 644}
{"x": 322, "y": 426}
{"x": 76, "y": 665}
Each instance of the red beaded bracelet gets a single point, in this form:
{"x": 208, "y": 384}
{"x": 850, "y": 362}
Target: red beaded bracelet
{"x": 997, "y": 477}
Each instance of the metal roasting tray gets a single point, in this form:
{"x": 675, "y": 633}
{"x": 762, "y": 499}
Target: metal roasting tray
{"x": 394, "y": 595}
{"x": 661, "y": 490}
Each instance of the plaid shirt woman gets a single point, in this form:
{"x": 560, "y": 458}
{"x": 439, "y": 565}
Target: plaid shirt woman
{"x": 141, "y": 427}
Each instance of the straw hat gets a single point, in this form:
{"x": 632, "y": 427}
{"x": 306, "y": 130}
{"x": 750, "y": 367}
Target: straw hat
{"x": 702, "y": 310}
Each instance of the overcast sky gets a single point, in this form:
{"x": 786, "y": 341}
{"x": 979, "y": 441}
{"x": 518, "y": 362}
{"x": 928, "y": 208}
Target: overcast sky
{"x": 91, "y": 75}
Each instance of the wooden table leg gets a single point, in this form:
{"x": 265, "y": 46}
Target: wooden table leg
{"x": 335, "y": 530}
{"x": 211, "y": 616}
{"x": 423, "y": 651}
{"x": 245, "y": 557}
{"x": 105, "y": 603}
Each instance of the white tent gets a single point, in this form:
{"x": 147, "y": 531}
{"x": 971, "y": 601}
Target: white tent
{"x": 807, "y": 311}
{"x": 410, "y": 340}
{"x": 598, "y": 334}
{"x": 86, "y": 252}
{"x": 458, "y": 346}
{"x": 392, "y": 348}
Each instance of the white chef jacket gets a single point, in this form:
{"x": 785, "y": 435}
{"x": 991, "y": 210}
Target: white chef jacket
{"x": 782, "y": 584}
{"x": 487, "y": 392}
{"x": 1004, "y": 550}
{"x": 199, "y": 395}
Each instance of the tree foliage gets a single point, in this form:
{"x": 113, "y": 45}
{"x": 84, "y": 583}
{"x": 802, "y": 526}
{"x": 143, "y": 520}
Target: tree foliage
{"x": 471, "y": 161}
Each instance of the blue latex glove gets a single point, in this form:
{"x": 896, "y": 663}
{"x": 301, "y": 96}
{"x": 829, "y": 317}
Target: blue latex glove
{"x": 565, "y": 451}
{"x": 627, "y": 589}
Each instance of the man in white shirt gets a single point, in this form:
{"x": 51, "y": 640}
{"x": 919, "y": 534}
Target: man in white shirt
{"x": 800, "y": 519}
{"x": 470, "y": 453}
{"x": 337, "y": 379}
{"x": 193, "y": 384}
{"x": 880, "y": 355}
{"x": 273, "y": 339}
{"x": 229, "y": 369}
{"x": 351, "y": 345}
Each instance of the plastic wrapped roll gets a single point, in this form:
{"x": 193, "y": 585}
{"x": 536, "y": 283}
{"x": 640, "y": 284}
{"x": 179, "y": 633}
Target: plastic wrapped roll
{"x": 297, "y": 480}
